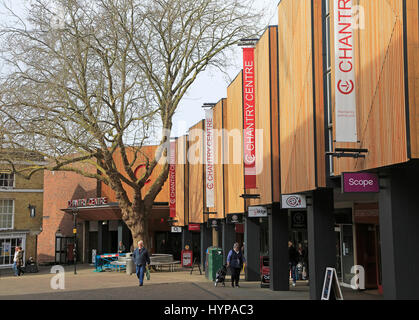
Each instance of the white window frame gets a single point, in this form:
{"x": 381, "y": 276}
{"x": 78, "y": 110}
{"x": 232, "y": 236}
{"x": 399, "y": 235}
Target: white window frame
{"x": 13, "y": 215}
{"x": 21, "y": 236}
{"x": 14, "y": 181}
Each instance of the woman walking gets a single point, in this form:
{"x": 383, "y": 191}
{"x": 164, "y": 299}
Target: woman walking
{"x": 18, "y": 261}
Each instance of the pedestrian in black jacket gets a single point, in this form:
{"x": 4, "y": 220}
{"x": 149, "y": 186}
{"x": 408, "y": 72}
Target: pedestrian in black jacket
{"x": 141, "y": 258}
{"x": 293, "y": 260}
{"x": 235, "y": 261}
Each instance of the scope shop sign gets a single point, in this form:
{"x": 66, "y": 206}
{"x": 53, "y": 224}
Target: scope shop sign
{"x": 294, "y": 201}
{"x": 360, "y": 182}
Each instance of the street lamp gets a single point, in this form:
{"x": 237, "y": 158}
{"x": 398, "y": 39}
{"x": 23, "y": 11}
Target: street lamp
{"x": 75, "y": 211}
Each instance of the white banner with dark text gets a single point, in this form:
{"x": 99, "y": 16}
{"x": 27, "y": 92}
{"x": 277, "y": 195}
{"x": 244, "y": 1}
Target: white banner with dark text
{"x": 345, "y": 90}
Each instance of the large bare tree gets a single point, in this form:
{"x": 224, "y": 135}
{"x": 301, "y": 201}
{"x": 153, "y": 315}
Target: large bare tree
{"x": 90, "y": 81}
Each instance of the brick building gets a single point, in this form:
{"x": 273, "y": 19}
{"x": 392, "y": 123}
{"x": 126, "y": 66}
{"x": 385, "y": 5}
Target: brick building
{"x": 59, "y": 188}
{"x": 99, "y": 225}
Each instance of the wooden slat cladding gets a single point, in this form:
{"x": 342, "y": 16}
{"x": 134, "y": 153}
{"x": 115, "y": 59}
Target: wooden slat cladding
{"x": 181, "y": 182}
{"x": 296, "y": 96}
{"x": 319, "y": 93}
{"x": 234, "y": 179}
{"x": 412, "y": 22}
{"x": 196, "y": 173}
{"x": 266, "y": 104}
{"x": 218, "y": 160}
{"x": 149, "y": 151}
{"x": 380, "y": 85}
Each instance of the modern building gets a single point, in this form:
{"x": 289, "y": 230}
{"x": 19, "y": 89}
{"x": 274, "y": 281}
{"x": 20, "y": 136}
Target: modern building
{"x": 336, "y": 99}
{"x": 98, "y": 218}
{"x": 349, "y": 120}
{"x": 21, "y": 205}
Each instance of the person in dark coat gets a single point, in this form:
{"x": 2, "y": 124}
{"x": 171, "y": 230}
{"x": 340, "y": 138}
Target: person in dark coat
{"x": 141, "y": 258}
{"x": 293, "y": 260}
{"x": 235, "y": 261}
{"x": 121, "y": 247}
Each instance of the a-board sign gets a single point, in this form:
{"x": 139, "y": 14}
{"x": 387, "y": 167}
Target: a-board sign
{"x": 331, "y": 281}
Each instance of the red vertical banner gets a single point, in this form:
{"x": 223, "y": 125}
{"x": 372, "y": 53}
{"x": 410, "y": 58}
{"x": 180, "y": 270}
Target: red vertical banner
{"x": 172, "y": 179}
{"x": 249, "y": 122}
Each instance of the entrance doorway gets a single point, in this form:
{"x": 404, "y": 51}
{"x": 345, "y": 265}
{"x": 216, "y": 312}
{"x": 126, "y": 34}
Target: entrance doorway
{"x": 196, "y": 246}
{"x": 366, "y": 243}
{"x": 169, "y": 243}
{"x": 344, "y": 252}
{"x": 366, "y": 218}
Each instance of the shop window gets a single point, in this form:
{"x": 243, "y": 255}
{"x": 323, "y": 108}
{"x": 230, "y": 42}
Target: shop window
{"x": 7, "y": 180}
{"x": 6, "y": 214}
{"x": 7, "y": 250}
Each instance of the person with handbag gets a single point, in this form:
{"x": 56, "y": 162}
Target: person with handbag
{"x": 141, "y": 259}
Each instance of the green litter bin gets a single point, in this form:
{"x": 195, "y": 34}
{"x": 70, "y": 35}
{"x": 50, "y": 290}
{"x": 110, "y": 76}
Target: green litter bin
{"x": 215, "y": 262}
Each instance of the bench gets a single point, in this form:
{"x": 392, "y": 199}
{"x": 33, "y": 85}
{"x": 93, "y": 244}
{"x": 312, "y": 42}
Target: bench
{"x": 158, "y": 261}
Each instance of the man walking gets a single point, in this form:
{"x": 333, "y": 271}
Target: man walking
{"x": 141, "y": 259}
{"x": 235, "y": 261}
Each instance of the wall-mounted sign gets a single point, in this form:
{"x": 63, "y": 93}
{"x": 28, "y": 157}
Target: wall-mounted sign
{"x": 213, "y": 223}
{"x": 172, "y": 179}
{"x": 249, "y": 120}
{"x": 176, "y": 229}
{"x": 235, "y": 218}
{"x": 299, "y": 220}
{"x": 345, "y": 90}
{"x": 194, "y": 227}
{"x": 209, "y": 157}
{"x": 87, "y": 202}
{"x": 294, "y": 201}
{"x": 360, "y": 182}
{"x": 257, "y": 212}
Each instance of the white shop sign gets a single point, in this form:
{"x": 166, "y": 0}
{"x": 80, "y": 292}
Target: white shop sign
{"x": 294, "y": 201}
{"x": 257, "y": 212}
{"x": 176, "y": 229}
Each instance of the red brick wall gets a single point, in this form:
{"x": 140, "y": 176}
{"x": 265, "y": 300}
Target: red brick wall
{"x": 59, "y": 187}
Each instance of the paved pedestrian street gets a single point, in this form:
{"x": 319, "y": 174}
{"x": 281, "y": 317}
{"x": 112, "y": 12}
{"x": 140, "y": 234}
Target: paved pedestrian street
{"x": 179, "y": 285}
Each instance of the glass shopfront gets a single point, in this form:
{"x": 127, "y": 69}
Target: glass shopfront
{"x": 344, "y": 244}
{"x": 8, "y": 244}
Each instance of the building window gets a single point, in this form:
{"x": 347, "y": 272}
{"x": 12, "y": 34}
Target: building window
{"x": 7, "y": 180}
{"x": 7, "y": 209}
{"x": 327, "y": 73}
{"x": 8, "y": 246}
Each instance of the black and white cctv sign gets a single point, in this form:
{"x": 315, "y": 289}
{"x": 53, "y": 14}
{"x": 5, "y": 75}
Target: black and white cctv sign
{"x": 257, "y": 212}
{"x": 176, "y": 229}
{"x": 294, "y": 201}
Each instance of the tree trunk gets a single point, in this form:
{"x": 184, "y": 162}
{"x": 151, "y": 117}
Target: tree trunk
{"x": 136, "y": 220}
